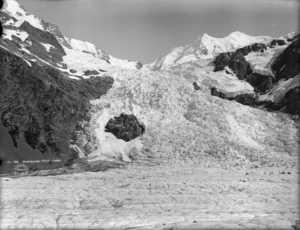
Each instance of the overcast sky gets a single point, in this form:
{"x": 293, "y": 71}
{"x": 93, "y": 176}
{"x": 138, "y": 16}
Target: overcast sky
{"x": 146, "y": 29}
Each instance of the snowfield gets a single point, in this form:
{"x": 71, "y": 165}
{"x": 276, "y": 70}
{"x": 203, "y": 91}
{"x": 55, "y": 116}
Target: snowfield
{"x": 157, "y": 197}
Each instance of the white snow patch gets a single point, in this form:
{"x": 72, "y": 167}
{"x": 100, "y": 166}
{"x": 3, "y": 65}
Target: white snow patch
{"x": 10, "y": 22}
{"x": 7, "y": 34}
{"x": 126, "y": 64}
{"x": 81, "y": 45}
{"x": 47, "y": 46}
{"x": 81, "y": 61}
{"x": 260, "y": 63}
{"x": 74, "y": 77}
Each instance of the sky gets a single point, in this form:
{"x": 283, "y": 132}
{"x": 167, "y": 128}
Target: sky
{"x": 143, "y": 30}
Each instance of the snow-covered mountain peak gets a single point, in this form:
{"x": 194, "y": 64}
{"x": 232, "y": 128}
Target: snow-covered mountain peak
{"x": 236, "y": 36}
{"x": 36, "y": 40}
{"x": 207, "y": 47}
{"x": 15, "y": 10}
{"x": 211, "y": 46}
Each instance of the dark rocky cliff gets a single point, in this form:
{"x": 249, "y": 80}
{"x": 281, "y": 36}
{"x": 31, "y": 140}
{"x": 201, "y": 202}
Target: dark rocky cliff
{"x": 287, "y": 64}
{"x": 42, "y": 106}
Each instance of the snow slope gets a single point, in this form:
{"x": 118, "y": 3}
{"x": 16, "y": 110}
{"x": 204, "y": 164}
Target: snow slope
{"x": 7, "y": 34}
{"x": 261, "y": 62}
{"x": 80, "y": 56}
{"x": 14, "y": 9}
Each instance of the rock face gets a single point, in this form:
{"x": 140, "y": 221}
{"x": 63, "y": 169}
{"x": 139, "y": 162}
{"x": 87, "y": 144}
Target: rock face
{"x": 40, "y": 45}
{"x": 287, "y": 64}
{"x": 37, "y": 37}
{"x": 261, "y": 83}
{"x": 221, "y": 61}
{"x": 276, "y": 42}
{"x": 91, "y": 72}
{"x": 291, "y": 102}
{"x": 125, "y": 127}
{"x": 139, "y": 65}
{"x": 196, "y": 86}
{"x": 239, "y": 65}
{"x": 42, "y": 105}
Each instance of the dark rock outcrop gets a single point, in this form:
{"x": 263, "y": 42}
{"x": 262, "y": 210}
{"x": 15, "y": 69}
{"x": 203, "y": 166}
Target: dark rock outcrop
{"x": 37, "y": 37}
{"x": 289, "y": 104}
{"x": 91, "y": 72}
{"x": 196, "y": 86}
{"x": 251, "y": 48}
{"x": 277, "y": 42}
{"x": 245, "y": 99}
{"x": 287, "y": 64}
{"x": 139, "y": 65}
{"x": 223, "y": 59}
{"x": 239, "y": 65}
{"x": 261, "y": 83}
{"x": 42, "y": 106}
{"x": 125, "y": 127}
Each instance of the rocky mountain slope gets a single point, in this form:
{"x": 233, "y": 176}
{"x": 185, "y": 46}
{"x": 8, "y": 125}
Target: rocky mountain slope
{"x": 64, "y": 98}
